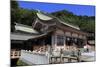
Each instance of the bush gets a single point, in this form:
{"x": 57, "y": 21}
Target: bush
{"x": 21, "y": 63}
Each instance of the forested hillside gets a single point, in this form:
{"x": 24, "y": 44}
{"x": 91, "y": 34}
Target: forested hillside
{"x": 24, "y": 16}
{"x": 86, "y": 23}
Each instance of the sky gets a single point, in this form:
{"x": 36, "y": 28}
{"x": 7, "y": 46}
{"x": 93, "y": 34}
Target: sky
{"x": 86, "y": 10}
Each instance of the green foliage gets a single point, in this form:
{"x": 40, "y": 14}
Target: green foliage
{"x": 21, "y": 63}
{"x": 14, "y": 4}
{"x": 86, "y": 23}
{"x": 21, "y": 15}
{"x": 27, "y": 16}
{"x": 15, "y": 16}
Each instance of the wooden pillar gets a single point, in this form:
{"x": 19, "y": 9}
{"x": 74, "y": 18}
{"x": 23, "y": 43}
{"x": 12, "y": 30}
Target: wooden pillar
{"x": 64, "y": 41}
{"x": 55, "y": 41}
{"x": 85, "y": 40}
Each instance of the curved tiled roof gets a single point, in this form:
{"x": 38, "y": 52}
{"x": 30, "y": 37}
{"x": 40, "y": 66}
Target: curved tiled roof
{"x": 25, "y": 28}
{"x": 43, "y": 17}
{"x": 20, "y": 36}
{"x": 47, "y": 17}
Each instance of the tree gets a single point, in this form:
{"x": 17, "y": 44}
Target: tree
{"x": 20, "y": 15}
{"x": 15, "y": 16}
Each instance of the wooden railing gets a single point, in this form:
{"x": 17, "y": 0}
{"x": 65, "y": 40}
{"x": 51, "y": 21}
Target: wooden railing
{"x": 15, "y": 54}
{"x": 63, "y": 59}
